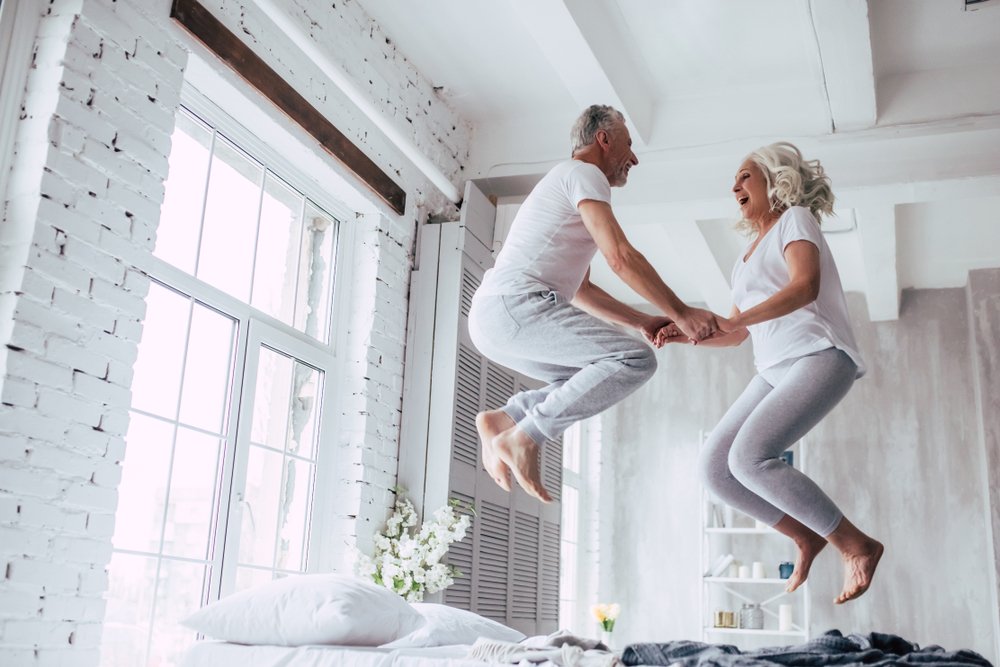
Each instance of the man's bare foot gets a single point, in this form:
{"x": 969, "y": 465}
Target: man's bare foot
{"x": 809, "y": 547}
{"x": 490, "y": 424}
{"x": 520, "y": 453}
{"x": 859, "y": 568}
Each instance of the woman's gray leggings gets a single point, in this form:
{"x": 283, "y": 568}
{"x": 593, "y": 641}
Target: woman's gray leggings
{"x": 740, "y": 463}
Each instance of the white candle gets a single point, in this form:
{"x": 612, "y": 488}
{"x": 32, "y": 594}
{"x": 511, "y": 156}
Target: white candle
{"x": 784, "y": 617}
{"x": 744, "y": 571}
{"x": 758, "y": 570}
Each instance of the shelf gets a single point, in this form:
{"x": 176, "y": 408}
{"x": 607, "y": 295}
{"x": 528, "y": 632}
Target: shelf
{"x": 744, "y": 631}
{"x": 744, "y": 580}
{"x": 743, "y": 531}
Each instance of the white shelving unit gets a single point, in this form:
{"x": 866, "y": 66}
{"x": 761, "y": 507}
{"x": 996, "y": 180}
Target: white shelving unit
{"x": 740, "y": 537}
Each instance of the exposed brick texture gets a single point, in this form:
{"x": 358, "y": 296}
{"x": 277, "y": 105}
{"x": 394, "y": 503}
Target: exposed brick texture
{"x": 83, "y": 203}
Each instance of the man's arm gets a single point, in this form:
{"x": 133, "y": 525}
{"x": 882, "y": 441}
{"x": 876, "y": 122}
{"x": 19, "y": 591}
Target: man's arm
{"x": 633, "y": 268}
{"x": 597, "y": 302}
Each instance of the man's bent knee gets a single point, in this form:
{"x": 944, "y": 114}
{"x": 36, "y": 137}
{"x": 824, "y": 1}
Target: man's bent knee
{"x": 643, "y": 363}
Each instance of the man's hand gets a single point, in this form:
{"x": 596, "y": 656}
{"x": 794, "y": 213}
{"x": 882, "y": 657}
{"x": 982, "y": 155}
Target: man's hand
{"x": 697, "y": 323}
{"x": 650, "y": 326}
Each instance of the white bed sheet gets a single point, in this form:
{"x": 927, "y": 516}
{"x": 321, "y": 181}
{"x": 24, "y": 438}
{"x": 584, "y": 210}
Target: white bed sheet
{"x": 223, "y": 654}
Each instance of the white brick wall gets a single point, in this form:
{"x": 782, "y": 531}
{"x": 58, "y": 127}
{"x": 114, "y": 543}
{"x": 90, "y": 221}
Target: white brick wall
{"x": 74, "y": 315}
{"x": 83, "y": 202}
{"x": 369, "y": 438}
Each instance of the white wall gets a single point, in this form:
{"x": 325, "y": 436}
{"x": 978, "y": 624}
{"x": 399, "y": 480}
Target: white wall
{"x": 81, "y": 212}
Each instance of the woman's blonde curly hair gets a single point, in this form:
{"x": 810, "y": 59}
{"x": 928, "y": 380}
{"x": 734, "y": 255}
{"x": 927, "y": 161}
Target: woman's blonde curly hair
{"x": 792, "y": 181}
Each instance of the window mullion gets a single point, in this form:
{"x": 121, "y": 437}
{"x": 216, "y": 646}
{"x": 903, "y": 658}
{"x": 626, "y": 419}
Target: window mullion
{"x": 204, "y": 202}
{"x": 226, "y": 534}
{"x": 256, "y": 235}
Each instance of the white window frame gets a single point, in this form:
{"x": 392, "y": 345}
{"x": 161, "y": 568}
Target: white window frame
{"x": 255, "y": 325}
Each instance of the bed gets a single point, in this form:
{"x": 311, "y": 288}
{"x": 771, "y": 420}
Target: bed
{"x": 223, "y": 654}
{"x": 342, "y": 621}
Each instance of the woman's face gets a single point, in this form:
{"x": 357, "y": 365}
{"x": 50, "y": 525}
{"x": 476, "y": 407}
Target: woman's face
{"x": 750, "y": 190}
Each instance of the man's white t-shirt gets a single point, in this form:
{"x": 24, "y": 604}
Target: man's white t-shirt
{"x": 822, "y": 324}
{"x": 548, "y": 246}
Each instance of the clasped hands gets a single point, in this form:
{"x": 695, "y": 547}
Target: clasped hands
{"x": 693, "y": 326}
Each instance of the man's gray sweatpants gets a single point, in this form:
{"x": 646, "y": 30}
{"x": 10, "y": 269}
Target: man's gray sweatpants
{"x": 589, "y": 364}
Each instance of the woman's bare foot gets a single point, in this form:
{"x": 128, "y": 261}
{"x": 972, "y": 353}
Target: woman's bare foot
{"x": 519, "y": 452}
{"x": 809, "y": 547}
{"x": 490, "y": 424}
{"x": 808, "y": 543}
{"x": 859, "y": 568}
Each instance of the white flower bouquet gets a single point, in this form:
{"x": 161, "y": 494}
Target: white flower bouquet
{"x": 408, "y": 561}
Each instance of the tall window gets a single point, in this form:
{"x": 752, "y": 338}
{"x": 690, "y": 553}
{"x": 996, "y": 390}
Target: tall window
{"x": 570, "y": 537}
{"x": 231, "y": 394}
{"x": 580, "y": 547}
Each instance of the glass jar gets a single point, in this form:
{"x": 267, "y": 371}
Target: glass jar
{"x": 751, "y": 617}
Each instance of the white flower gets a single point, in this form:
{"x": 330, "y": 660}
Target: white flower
{"x": 408, "y": 561}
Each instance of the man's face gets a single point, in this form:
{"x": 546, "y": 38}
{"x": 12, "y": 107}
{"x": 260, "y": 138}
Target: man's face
{"x": 620, "y": 156}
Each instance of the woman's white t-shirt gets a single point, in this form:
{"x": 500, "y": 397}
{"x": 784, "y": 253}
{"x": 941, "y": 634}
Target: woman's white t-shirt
{"x": 822, "y": 324}
{"x": 548, "y": 246}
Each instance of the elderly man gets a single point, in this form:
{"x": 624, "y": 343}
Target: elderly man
{"x": 537, "y": 312}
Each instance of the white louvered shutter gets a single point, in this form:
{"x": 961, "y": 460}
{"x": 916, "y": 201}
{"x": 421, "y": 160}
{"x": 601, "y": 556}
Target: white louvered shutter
{"x": 510, "y": 560}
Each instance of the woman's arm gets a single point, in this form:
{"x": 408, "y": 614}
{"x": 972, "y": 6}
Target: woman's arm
{"x": 802, "y": 289}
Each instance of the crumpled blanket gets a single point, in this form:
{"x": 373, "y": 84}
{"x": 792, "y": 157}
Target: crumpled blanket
{"x": 833, "y": 648}
{"x": 560, "y": 648}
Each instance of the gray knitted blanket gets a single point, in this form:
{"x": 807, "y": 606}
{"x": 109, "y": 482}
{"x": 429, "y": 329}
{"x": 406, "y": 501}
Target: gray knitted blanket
{"x": 832, "y": 648}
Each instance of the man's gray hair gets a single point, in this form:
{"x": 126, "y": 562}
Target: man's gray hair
{"x": 594, "y": 118}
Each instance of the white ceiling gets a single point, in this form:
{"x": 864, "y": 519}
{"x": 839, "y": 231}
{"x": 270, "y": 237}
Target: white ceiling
{"x": 900, "y": 99}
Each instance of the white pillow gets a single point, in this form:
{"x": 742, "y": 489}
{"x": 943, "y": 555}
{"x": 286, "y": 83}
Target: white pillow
{"x": 445, "y": 626}
{"x": 308, "y": 609}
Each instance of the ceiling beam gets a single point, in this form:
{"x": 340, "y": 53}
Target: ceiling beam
{"x": 691, "y": 245}
{"x": 843, "y": 36}
{"x": 586, "y": 43}
{"x": 877, "y": 239}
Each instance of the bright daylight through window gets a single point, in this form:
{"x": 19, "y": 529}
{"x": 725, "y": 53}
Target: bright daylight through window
{"x": 230, "y": 382}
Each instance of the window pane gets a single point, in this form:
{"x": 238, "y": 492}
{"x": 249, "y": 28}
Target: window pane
{"x": 142, "y": 493}
{"x": 293, "y": 512}
{"x": 179, "y": 593}
{"x": 260, "y": 507}
{"x": 304, "y": 411}
{"x": 571, "y": 448}
{"x": 570, "y": 514}
{"x": 208, "y": 370}
{"x": 280, "y": 235}
{"x": 248, "y": 577}
{"x": 131, "y": 585}
{"x": 157, "y": 381}
{"x": 197, "y": 457}
{"x": 229, "y": 232}
{"x": 180, "y": 216}
{"x": 272, "y": 399}
{"x": 316, "y": 269}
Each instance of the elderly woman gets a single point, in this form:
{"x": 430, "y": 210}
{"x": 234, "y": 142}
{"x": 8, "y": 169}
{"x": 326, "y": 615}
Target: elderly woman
{"x": 788, "y": 299}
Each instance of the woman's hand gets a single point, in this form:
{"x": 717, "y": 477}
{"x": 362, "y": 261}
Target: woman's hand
{"x": 651, "y": 326}
{"x": 670, "y": 333}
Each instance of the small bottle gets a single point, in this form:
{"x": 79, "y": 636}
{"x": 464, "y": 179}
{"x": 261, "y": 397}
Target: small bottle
{"x": 751, "y": 617}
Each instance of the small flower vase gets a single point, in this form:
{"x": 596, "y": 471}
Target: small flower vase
{"x": 606, "y": 639}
